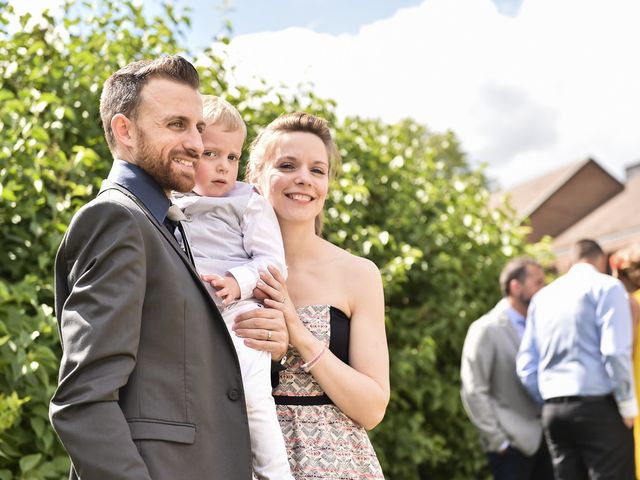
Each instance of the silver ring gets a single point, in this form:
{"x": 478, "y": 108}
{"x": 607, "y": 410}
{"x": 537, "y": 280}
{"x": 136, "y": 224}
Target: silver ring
{"x": 268, "y": 335}
{"x": 284, "y": 299}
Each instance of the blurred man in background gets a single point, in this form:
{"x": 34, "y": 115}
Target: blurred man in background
{"x": 575, "y": 357}
{"x": 507, "y": 418}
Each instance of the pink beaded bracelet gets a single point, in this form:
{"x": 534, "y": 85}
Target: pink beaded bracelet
{"x": 311, "y": 363}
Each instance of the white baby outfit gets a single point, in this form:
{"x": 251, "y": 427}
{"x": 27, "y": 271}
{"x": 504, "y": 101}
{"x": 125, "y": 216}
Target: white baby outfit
{"x": 238, "y": 234}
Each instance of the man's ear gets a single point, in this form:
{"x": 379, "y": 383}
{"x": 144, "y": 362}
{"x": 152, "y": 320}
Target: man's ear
{"x": 123, "y": 130}
{"x": 514, "y": 286}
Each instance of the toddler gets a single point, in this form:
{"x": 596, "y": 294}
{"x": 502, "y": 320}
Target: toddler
{"x": 234, "y": 234}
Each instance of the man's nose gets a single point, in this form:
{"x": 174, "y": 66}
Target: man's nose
{"x": 193, "y": 143}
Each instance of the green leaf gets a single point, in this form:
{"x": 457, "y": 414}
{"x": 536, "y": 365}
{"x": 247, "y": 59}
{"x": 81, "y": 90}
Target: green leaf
{"x": 29, "y": 462}
{"x": 38, "y": 426}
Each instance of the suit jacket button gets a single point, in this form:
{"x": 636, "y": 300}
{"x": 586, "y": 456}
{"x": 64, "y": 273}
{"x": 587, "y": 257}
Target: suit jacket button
{"x": 233, "y": 394}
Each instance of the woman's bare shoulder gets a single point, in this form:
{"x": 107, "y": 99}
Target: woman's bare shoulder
{"x": 346, "y": 260}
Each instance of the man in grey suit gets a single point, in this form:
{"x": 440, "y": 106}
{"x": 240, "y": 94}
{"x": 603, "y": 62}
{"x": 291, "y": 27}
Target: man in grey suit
{"x": 507, "y": 418}
{"x": 149, "y": 385}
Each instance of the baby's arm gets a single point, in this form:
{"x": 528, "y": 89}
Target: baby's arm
{"x": 263, "y": 243}
{"x": 227, "y": 288}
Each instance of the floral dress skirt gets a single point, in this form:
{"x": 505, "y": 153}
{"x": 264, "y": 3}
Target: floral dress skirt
{"x": 322, "y": 442}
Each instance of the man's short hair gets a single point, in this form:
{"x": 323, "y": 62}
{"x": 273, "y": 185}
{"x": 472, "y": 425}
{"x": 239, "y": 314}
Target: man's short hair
{"x": 121, "y": 91}
{"x": 516, "y": 269}
{"x": 586, "y": 249}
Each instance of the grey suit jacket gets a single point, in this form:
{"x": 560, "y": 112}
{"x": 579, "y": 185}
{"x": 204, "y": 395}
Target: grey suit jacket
{"x": 495, "y": 400}
{"x": 149, "y": 385}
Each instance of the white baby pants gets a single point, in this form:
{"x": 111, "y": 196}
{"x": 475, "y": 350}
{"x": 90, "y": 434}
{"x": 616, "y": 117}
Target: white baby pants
{"x": 270, "y": 460}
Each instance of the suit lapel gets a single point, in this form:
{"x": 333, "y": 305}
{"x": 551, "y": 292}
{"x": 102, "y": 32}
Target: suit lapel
{"x": 163, "y": 231}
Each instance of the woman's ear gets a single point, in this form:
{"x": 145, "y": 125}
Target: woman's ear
{"x": 123, "y": 130}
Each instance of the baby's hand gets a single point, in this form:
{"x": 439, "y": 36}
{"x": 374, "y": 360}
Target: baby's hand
{"x": 226, "y": 287}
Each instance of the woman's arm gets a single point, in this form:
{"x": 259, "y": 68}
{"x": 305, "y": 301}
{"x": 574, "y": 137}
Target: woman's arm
{"x": 361, "y": 389}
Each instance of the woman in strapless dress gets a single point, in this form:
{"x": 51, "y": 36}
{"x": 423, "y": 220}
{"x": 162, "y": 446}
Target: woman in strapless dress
{"x": 334, "y": 384}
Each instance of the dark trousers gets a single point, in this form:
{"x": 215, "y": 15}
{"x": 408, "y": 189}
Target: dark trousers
{"x": 515, "y": 465}
{"x": 588, "y": 440}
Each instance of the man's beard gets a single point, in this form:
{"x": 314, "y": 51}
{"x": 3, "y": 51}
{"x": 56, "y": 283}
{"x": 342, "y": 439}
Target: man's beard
{"x": 524, "y": 300}
{"x": 160, "y": 169}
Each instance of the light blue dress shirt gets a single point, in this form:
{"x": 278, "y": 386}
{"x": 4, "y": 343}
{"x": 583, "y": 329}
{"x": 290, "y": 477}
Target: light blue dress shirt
{"x": 517, "y": 320}
{"x": 577, "y": 340}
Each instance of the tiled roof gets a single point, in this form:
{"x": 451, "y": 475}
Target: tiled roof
{"x": 613, "y": 224}
{"x": 528, "y": 196}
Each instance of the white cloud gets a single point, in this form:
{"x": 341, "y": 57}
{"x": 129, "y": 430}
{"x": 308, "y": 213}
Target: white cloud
{"x": 555, "y": 84}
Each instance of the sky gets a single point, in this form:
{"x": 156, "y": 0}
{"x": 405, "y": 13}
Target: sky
{"x": 526, "y": 85}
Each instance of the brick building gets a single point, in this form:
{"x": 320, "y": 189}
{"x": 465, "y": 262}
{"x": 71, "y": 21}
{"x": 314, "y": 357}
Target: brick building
{"x": 579, "y": 200}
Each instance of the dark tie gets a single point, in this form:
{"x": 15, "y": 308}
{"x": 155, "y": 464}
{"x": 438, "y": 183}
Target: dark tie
{"x": 171, "y": 222}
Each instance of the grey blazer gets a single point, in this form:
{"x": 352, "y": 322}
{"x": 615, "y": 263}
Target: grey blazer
{"x": 495, "y": 400}
{"x": 150, "y": 386}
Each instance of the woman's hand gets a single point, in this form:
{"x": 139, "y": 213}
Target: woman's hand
{"x": 263, "y": 329}
{"x": 272, "y": 289}
{"x": 272, "y": 286}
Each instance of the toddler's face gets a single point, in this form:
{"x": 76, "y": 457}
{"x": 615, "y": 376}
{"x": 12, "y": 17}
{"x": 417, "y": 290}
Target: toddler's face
{"x": 217, "y": 170}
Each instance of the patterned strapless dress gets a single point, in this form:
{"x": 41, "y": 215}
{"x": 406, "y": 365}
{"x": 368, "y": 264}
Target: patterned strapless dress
{"x": 322, "y": 442}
